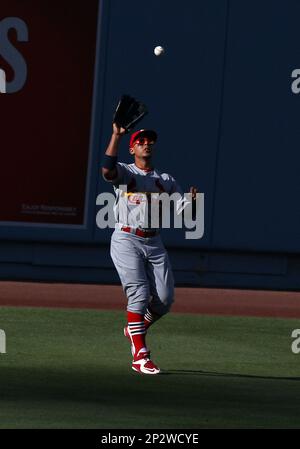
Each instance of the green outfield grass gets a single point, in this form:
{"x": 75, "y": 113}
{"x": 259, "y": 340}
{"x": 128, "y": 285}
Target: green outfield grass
{"x": 71, "y": 369}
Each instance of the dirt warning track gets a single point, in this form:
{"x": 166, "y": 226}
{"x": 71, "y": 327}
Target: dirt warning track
{"x": 187, "y": 300}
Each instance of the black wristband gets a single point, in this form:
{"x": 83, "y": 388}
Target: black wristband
{"x": 109, "y": 162}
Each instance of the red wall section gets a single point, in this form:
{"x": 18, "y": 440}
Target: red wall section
{"x": 45, "y": 127}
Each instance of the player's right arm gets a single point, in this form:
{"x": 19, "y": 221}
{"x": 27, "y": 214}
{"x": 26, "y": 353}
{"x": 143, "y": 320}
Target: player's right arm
{"x": 109, "y": 168}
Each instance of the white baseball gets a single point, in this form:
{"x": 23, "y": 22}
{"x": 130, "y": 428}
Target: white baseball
{"x": 158, "y": 51}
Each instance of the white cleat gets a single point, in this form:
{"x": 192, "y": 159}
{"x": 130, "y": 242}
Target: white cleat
{"x": 143, "y": 365}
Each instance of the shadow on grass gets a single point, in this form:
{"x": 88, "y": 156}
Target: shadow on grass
{"x": 118, "y": 398}
{"x": 220, "y": 374}
{"x": 104, "y": 384}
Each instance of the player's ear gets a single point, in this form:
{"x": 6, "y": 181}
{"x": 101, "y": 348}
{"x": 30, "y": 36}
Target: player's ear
{"x": 131, "y": 151}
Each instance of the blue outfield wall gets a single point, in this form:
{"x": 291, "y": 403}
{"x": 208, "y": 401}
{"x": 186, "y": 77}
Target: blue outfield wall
{"x": 222, "y": 101}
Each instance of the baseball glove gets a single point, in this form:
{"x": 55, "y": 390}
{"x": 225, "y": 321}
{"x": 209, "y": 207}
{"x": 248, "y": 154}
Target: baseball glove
{"x": 129, "y": 112}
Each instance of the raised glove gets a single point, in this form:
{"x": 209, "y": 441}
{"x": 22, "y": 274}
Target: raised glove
{"x": 129, "y": 112}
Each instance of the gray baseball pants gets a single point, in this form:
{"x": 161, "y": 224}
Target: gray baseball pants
{"x": 145, "y": 272}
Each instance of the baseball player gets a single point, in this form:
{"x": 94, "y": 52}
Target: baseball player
{"x": 137, "y": 249}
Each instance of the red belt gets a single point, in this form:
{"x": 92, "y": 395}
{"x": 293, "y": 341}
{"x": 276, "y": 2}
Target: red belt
{"x": 139, "y": 232}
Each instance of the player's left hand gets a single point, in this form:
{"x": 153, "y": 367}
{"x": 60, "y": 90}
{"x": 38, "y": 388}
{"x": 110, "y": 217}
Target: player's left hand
{"x": 193, "y": 191}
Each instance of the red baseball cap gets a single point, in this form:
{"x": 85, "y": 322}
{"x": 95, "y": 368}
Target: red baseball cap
{"x": 143, "y": 133}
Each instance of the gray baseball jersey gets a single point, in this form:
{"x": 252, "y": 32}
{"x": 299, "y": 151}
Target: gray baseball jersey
{"x": 135, "y": 189}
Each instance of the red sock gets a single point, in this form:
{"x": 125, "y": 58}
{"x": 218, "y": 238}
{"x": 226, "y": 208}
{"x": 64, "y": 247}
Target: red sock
{"x": 136, "y": 330}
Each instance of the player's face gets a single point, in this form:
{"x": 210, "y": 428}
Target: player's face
{"x": 143, "y": 147}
